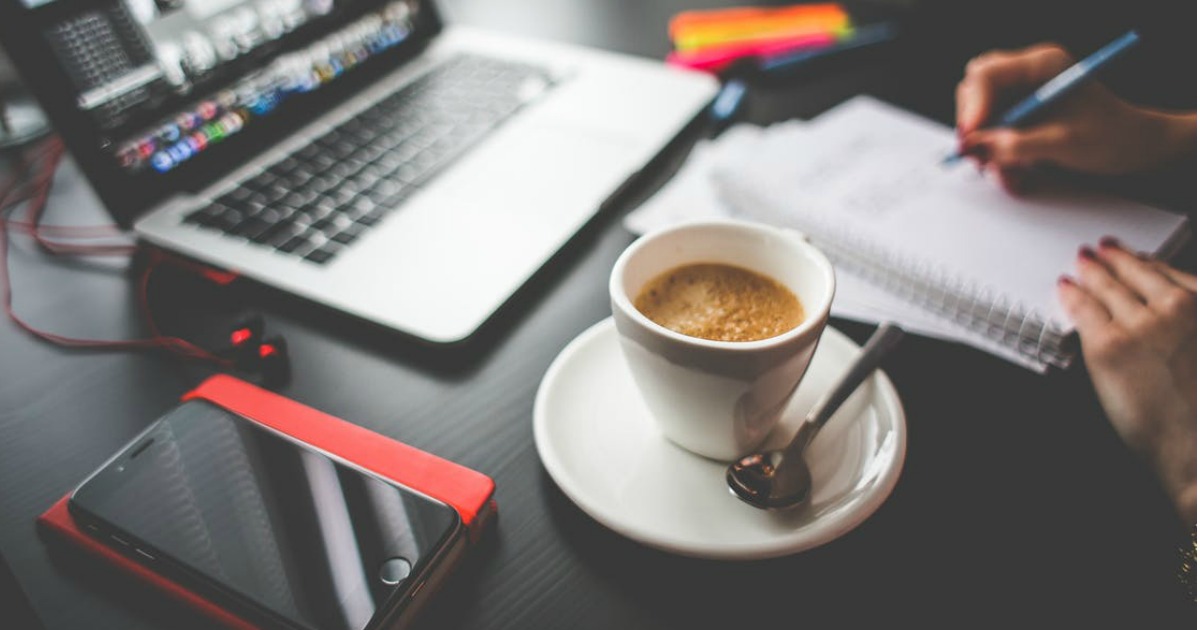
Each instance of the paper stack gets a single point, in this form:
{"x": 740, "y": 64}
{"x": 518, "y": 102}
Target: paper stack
{"x": 941, "y": 251}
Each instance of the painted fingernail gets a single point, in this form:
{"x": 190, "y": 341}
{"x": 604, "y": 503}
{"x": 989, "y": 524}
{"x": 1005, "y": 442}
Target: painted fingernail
{"x": 1087, "y": 252}
{"x": 1065, "y": 280}
{"x": 1110, "y": 241}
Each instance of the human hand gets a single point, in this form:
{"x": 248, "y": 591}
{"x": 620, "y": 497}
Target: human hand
{"x": 1090, "y": 130}
{"x": 1136, "y": 320}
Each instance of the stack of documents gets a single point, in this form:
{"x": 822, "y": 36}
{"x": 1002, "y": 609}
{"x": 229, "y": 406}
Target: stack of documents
{"x": 941, "y": 251}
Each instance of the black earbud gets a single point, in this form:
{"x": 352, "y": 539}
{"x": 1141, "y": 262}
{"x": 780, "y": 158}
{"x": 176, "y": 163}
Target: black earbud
{"x": 262, "y": 359}
{"x": 273, "y": 363}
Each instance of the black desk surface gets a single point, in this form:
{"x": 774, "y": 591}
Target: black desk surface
{"x": 1017, "y": 505}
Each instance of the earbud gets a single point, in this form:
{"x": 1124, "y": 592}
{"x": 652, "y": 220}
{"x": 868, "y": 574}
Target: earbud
{"x": 273, "y": 364}
{"x": 264, "y": 360}
{"x": 247, "y": 330}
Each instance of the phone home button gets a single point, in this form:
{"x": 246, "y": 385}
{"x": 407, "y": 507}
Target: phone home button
{"x": 394, "y": 570}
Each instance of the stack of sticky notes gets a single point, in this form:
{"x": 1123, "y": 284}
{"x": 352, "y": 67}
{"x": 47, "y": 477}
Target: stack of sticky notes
{"x": 714, "y": 40}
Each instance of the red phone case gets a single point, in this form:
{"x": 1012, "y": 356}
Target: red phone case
{"x": 467, "y": 491}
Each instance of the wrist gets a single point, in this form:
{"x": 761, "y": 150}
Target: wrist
{"x": 1185, "y": 503}
{"x": 1174, "y": 462}
{"x": 1174, "y": 134}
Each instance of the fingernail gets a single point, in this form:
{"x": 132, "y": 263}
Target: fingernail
{"x": 1087, "y": 252}
{"x": 1109, "y": 241}
{"x": 1065, "y": 280}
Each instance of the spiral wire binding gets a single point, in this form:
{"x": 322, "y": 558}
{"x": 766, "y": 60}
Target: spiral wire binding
{"x": 964, "y": 303}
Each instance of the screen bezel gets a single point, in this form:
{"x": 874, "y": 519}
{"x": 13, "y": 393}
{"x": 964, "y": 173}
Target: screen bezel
{"x": 102, "y": 529}
{"x": 128, "y": 196}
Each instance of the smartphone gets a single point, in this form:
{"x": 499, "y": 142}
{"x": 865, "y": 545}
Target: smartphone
{"x": 275, "y": 530}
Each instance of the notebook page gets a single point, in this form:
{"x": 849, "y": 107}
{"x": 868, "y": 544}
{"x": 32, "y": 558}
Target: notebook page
{"x": 871, "y": 174}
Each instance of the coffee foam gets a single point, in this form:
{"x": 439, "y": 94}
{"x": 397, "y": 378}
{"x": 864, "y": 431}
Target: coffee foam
{"x": 720, "y": 302}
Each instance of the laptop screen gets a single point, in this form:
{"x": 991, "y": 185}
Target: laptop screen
{"x": 161, "y": 95}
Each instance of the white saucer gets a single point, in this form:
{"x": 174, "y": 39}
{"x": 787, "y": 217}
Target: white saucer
{"x": 602, "y": 447}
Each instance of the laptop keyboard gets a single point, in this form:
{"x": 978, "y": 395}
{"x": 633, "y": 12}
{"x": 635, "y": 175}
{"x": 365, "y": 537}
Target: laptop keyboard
{"x": 321, "y": 199}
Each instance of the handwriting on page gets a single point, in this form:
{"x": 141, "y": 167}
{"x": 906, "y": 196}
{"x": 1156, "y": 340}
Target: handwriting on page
{"x": 867, "y": 176}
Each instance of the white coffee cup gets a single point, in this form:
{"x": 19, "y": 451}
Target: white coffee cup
{"x": 720, "y": 399}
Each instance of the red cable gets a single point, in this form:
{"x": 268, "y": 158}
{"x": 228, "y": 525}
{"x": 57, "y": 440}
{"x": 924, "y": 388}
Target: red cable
{"x": 52, "y": 152}
{"x": 41, "y": 189}
{"x": 37, "y": 207}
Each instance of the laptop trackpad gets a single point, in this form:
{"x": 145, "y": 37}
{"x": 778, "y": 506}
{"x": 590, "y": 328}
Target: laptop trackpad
{"x": 455, "y": 252}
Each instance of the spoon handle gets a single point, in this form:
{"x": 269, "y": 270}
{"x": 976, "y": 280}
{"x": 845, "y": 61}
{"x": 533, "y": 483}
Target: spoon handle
{"x": 881, "y": 342}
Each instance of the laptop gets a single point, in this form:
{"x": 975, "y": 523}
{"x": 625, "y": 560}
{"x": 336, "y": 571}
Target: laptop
{"x": 358, "y": 153}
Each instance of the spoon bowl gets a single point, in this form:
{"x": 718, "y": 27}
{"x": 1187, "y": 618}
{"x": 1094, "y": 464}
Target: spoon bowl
{"x": 752, "y": 479}
{"x": 773, "y": 480}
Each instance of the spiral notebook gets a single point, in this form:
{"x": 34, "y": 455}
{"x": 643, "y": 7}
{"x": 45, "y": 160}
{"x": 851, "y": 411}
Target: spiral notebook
{"x": 865, "y": 182}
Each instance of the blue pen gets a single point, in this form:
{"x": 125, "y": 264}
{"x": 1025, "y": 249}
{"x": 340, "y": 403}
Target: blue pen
{"x": 1061, "y": 85}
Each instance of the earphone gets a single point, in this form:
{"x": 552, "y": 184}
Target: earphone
{"x": 251, "y": 352}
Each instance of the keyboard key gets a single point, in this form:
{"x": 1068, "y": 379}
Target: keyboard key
{"x": 205, "y": 216}
{"x": 276, "y": 235}
{"x": 342, "y": 170}
{"x": 269, "y": 214}
{"x": 228, "y": 220}
{"x": 321, "y": 208}
{"x": 349, "y": 235}
{"x": 385, "y": 188}
{"x": 395, "y": 201}
{"x": 365, "y": 179}
{"x": 250, "y": 228}
{"x": 322, "y": 162}
{"x": 299, "y": 199}
{"x": 298, "y": 179}
{"x": 344, "y": 192}
{"x": 309, "y": 153}
{"x": 320, "y": 256}
{"x": 371, "y": 218}
{"x": 299, "y": 243}
{"x": 287, "y": 165}
{"x": 261, "y": 182}
{"x": 358, "y": 207}
{"x": 275, "y": 192}
{"x": 237, "y": 195}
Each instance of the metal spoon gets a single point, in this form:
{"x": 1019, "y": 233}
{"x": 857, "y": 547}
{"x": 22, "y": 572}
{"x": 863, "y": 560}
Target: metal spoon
{"x": 780, "y": 479}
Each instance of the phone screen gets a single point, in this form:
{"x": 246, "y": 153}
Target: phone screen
{"x": 306, "y": 539}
